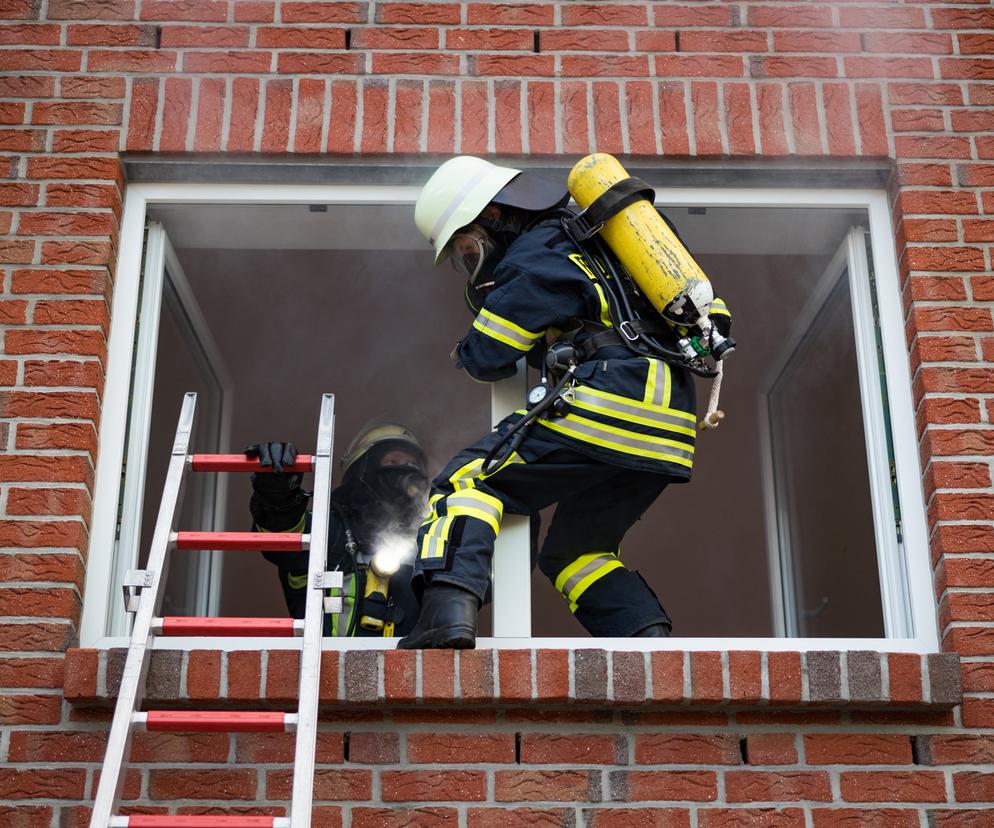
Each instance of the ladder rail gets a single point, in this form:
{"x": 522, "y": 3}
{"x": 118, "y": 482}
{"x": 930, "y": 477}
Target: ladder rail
{"x": 310, "y": 655}
{"x": 137, "y": 663}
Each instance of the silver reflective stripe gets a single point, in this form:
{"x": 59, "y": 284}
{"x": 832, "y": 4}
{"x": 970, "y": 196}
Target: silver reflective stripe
{"x": 624, "y": 409}
{"x": 584, "y": 571}
{"x": 628, "y": 439}
{"x": 454, "y": 205}
{"x": 659, "y": 390}
{"x": 486, "y": 324}
{"x": 432, "y": 547}
{"x": 471, "y": 502}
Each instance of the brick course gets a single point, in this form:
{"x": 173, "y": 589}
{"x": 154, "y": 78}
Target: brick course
{"x": 911, "y": 82}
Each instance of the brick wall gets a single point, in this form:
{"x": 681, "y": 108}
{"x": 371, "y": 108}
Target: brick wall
{"x": 88, "y": 79}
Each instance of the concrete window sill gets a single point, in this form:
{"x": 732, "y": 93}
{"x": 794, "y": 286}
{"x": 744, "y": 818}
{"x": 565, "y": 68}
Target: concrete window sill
{"x": 574, "y": 677}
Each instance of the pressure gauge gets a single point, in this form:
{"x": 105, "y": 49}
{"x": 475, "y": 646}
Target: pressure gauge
{"x": 537, "y": 394}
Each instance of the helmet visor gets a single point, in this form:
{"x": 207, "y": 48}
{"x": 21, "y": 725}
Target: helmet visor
{"x": 470, "y": 248}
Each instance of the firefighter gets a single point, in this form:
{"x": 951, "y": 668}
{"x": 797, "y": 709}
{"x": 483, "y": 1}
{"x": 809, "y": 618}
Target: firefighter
{"x": 373, "y": 521}
{"x": 626, "y": 432}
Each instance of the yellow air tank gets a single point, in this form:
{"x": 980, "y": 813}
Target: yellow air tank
{"x": 659, "y": 264}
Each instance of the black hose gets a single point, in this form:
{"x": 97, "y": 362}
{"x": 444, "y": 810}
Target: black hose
{"x": 509, "y": 443}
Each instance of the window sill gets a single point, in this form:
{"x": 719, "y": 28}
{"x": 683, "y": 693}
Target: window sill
{"x": 578, "y": 677}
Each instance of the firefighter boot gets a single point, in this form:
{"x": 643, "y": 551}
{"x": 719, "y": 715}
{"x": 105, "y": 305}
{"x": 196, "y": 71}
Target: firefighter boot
{"x": 654, "y": 631}
{"x": 448, "y": 620}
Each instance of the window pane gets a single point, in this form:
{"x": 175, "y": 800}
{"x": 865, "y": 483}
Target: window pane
{"x": 822, "y": 488}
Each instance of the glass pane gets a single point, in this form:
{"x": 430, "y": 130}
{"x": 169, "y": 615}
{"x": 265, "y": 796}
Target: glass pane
{"x": 180, "y": 367}
{"x": 822, "y": 486}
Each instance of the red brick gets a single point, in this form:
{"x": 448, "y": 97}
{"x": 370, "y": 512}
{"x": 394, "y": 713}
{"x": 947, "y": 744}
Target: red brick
{"x": 718, "y": 41}
{"x": 85, "y": 140}
{"x": 918, "y": 120}
{"x": 857, "y": 749}
{"x": 607, "y": 125}
{"x": 579, "y": 40}
{"x": 865, "y": 818}
{"x": 79, "y": 436}
{"x": 399, "y": 674}
{"x": 141, "y": 125}
{"x": 807, "y": 42}
{"x": 504, "y": 64}
{"x": 375, "y": 98}
{"x": 231, "y": 61}
{"x": 244, "y": 106}
{"x": 42, "y": 60}
{"x": 790, "y": 16}
{"x": 92, "y": 87}
{"x": 149, "y": 61}
{"x": 707, "y": 125}
{"x": 507, "y": 116}
{"x": 435, "y": 786}
{"x": 422, "y": 14}
{"x": 572, "y": 749}
{"x": 31, "y": 673}
{"x": 805, "y": 118}
{"x": 210, "y": 115}
{"x": 905, "y": 677}
{"x": 25, "y": 708}
{"x": 515, "y": 674}
{"x": 276, "y": 116}
{"x": 638, "y": 114}
{"x": 110, "y": 35}
{"x": 738, "y": 119}
{"x": 518, "y": 817}
{"x": 771, "y": 749}
{"x": 186, "y": 748}
{"x": 978, "y": 231}
{"x": 588, "y": 14}
{"x": 31, "y": 34}
{"x": 207, "y": 11}
{"x": 333, "y": 11}
{"x": 187, "y": 36}
{"x": 784, "y": 676}
{"x": 870, "y": 119}
{"x": 56, "y": 783}
{"x": 782, "y": 786}
{"x": 244, "y": 674}
{"x": 305, "y": 37}
{"x": 438, "y": 675}
{"x": 545, "y": 786}
{"x": 772, "y": 135}
{"x": 640, "y": 786}
{"x": 461, "y": 748}
{"x": 673, "y": 118}
{"x": 683, "y": 17}
{"x": 202, "y": 783}
{"x": 893, "y": 786}
{"x": 541, "y": 117}
{"x": 258, "y": 11}
{"x": 699, "y": 66}
{"x": 46, "y": 502}
{"x": 686, "y": 749}
{"x": 510, "y": 14}
{"x": 375, "y": 748}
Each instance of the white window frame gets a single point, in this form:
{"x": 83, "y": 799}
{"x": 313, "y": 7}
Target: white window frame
{"x": 512, "y": 574}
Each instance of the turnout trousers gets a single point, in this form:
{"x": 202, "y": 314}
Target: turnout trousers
{"x": 597, "y": 504}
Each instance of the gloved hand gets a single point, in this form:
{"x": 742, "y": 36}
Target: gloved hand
{"x": 722, "y": 323}
{"x": 278, "y": 502}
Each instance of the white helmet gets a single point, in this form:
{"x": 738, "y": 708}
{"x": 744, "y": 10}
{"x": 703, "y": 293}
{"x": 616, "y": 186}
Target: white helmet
{"x": 458, "y": 191}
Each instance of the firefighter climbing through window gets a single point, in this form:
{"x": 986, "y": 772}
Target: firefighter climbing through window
{"x": 612, "y": 421}
{"x": 373, "y": 520}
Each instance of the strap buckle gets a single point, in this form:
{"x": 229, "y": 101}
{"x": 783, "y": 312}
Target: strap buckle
{"x": 629, "y": 331}
{"x": 580, "y": 228}
{"x": 135, "y": 580}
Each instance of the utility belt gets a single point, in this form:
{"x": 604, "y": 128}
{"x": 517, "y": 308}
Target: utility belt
{"x": 627, "y": 335}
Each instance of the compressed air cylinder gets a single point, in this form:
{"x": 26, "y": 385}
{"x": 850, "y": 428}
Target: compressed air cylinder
{"x": 651, "y": 253}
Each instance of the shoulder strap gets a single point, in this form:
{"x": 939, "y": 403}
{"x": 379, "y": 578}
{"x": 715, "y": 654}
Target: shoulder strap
{"x": 609, "y": 203}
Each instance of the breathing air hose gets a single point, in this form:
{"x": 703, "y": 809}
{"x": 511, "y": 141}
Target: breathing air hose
{"x": 540, "y": 399}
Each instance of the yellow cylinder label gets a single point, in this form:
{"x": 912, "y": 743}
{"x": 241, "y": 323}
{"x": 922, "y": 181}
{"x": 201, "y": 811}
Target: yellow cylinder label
{"x": 651, "y": 253}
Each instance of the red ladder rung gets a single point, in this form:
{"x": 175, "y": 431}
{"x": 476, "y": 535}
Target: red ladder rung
{"x": 205, "y": 821}
{"x": 241, "y": 463}
{"x": 216, "y": 721}
{"x": 270, "y": 541}
{"x": 199, "y": 625}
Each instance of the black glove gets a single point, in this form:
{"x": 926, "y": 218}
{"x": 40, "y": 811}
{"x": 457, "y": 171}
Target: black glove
{"x": 278, "y": 501}
{"x": 722, "y": 323}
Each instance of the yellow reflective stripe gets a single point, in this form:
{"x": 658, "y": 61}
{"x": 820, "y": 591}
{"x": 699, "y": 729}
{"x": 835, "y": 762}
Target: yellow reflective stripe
{"x": 299, "y": 527}
{"x": 627, "y": 442}
{"x": 580, "y": 563}
{"x": 476, "y": 504}
{"x": 578, "y": 260}
{"x": 296, "y": 581}
{"x": 462, "y": 477}
{"x": 719, "y": 308}
{"x": 577, "y": 578}
{"x": 617, "y": 399}
{"x": 584, "y": 585}
{"x": 504, "y": 330}
{"x": 649, "y": 419}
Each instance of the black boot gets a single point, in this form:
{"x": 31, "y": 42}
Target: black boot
{"x": 447, "y": 621}
{"x": 654, "y": 631}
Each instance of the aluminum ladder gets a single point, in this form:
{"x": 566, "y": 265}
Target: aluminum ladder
{"x": 143, "y": 596}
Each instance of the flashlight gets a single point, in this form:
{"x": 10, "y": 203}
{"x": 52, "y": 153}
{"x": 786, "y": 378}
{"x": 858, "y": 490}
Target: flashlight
{"x": 387, "y": 558}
